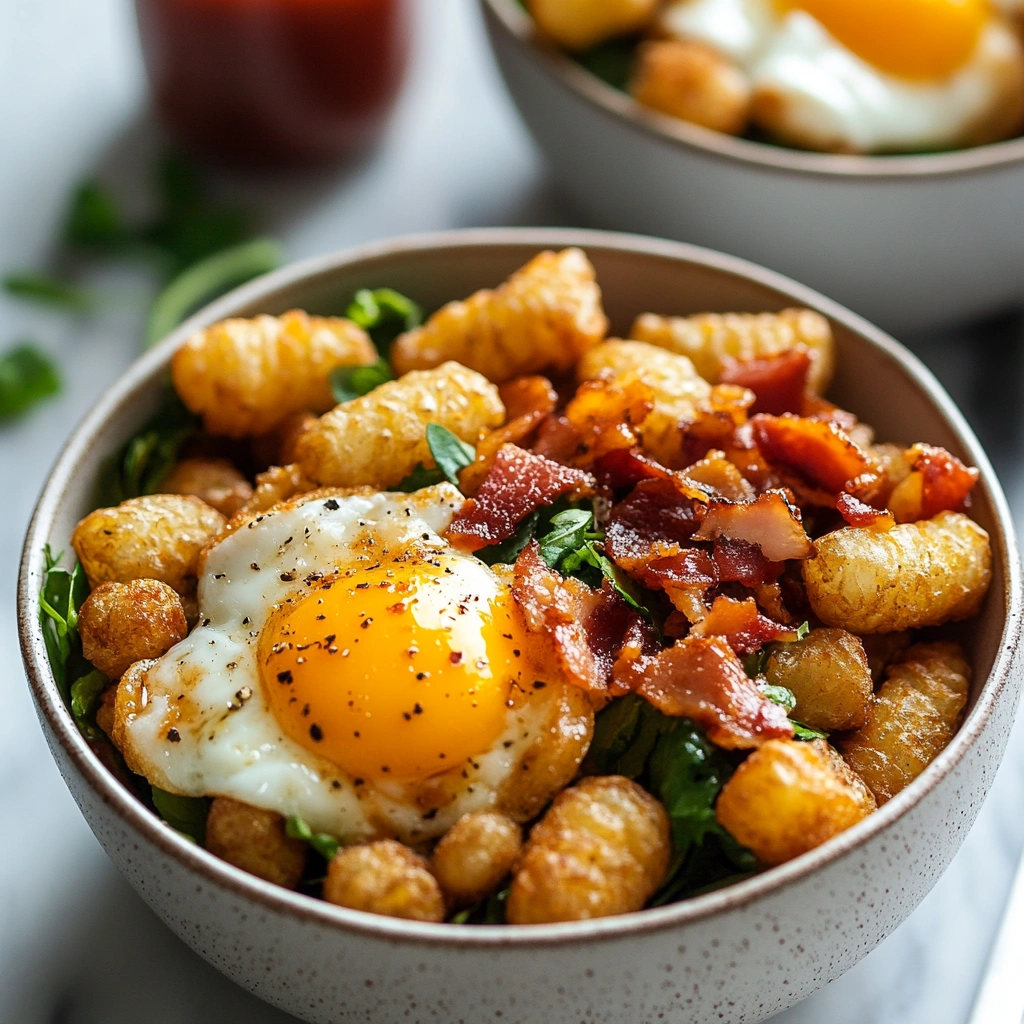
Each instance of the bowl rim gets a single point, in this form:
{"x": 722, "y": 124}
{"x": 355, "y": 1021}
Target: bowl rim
{"x": 305, "y": 909}
{"x": 517, "y": 23}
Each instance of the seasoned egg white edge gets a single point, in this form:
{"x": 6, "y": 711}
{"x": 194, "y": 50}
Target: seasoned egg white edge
{"x": 832, "y": 96}
{"x": 738, "y": 29}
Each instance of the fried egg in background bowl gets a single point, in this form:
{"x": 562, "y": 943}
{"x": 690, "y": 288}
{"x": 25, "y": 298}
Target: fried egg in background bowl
{"x": 353, "y": 669}
{"x": 867, "y": 76}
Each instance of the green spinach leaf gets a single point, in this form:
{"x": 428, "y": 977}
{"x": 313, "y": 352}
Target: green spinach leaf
{"x": 185, "y": 814}
{"x": 568, "y": 533}
{"x": 27, "y": 377}
{"x": 384, "y": 314}
{"x": 326, "y": 845}
{"x": 348, "y": 382}
{"x": 450, "y": 455}
{"x": 509, "y": 550}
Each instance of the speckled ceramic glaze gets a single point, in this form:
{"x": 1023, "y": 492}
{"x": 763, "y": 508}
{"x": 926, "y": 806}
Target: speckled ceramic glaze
{"x": 912, "y": 242}
{"x": 738, "y": 955}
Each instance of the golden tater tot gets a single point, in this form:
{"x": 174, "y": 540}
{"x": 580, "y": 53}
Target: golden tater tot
{"x": 157, "y": 537}
{"x": 829, "y": 675}
{"x": 541, "y": 319}
{"x": 378, "y": 439}
{"x": 384, "y": 878}
{"x": 692, "y": 82}
{"x": 244, "y": 377}
{"x": 709, "y": 339}
{"x": 602, "y": 848}
{"x": 215, "y": 481}
{"x": 680, "y": 394}
{"x": 255, "y": 841}
{"x": 552, "y": 759}
{"x": 914, "y": 715}
{"x": 475, "y": 855}
{"x": 121, "y": 623}
{"x": 917, "y": 574}
{"x": 278, "y": 483}
{"x": 788, "y": 797}
{"x": 882, "y": 648}
{"x": 581, "y": 24}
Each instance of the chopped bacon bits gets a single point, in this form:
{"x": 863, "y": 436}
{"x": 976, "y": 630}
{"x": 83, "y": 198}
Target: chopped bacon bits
{"x": 779, "y": 382}
{"x": 654, "y": 511}
{"x": 518, "y": 483}
{"x": 583, "y": 628}
{"x": 527, "y": 396}
{"x": 740, "y": 562}
{"x": 938, "y": 482}
{"x": 626, "y": 467}
{"x": 702, "y": 678}
{"x": 770, "y": 523}
{"x": 817, "y": 452}
{"x": 744, "y": 628}
{"x": 856, "y": 513}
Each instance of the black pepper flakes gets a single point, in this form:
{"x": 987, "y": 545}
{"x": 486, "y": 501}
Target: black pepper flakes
{"x": 331, "y": 505}
{"x": 254, "y": 567}
{"x": 366, "y": 622}
{"x": 316, "y": 732}
{"x": 173, "y": 736}
{"x": 287, "y": 577}
{"x": 538, "y": 685}
{"x": 285, "y": 676}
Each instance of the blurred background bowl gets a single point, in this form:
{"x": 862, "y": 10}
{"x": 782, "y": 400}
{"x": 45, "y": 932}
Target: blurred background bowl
{"x": 914, "y": 243}
{"x": 740, "y": 954}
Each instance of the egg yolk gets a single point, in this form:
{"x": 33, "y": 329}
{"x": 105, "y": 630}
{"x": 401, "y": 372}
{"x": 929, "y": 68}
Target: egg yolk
{"x": 915, "y": 39}
{"x": 402, "y": 670}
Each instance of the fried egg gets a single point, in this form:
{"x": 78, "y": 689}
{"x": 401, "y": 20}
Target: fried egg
{"x": 868, "y": 75}
{"x": 350, "y": 667}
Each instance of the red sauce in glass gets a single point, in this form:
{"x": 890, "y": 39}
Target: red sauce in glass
{"x": 275, "y": 81}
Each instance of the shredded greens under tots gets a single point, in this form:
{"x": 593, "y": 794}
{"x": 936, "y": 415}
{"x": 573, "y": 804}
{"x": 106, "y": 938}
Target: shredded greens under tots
{"x": 60, "y": 599}
{"x": 324, "y": 844}
{"x": 756, "y": 664}
{"x": 673, "y": 759}
{"x": 450, "y": 455}
{"x": 384, "y": 314}
{"x": 185, "y": 814}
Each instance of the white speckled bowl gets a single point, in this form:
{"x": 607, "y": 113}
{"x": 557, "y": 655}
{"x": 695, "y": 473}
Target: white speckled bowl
{"x": 911, "y": 242}
{"x": 737, "y": 955}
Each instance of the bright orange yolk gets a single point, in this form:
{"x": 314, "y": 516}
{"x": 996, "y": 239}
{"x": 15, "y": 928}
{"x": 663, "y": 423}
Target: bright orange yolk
{"x": 916, "y": 39}
{"x": 401, "y": 671}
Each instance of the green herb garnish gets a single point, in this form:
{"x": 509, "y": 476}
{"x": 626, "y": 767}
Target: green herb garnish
{"x": 60, "y": 597}
{"x": 509, "y": 550}
{"x": 326, "y": 845}
{"x": 348, "y": 382}
{"x": 589, "y": 555}
{"x": 47, "y": 290}
{"x": 27, "y": 376}
{"x": 805, "y": 732}
{"x": 450, "y": 455}
{"x": 568, "y": 533}
{"x": 185, "y": 814}
{"x": 384, "y": 314}
{"x": 785, "y": 698}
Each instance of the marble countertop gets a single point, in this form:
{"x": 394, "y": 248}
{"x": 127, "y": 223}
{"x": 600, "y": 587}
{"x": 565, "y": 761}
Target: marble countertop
{"x": 77, "y": 946}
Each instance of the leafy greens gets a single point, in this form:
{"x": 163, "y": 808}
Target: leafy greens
{"x": 27, "y": 377}
{"x": 450, "y": 455}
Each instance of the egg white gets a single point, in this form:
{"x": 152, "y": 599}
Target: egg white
{"x": 207, "y": 689}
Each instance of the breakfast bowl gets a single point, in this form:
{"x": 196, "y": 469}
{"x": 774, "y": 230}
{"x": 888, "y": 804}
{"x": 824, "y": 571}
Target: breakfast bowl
{"x": 926, "y": 240}
{"x": 740, "y": 953}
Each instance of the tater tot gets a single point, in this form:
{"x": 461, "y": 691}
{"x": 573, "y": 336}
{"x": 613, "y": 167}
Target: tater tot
{"x": 541, "y": 319}
{"x": 680, "y": 394}
{"x": 215, "y": 481}
{"x": 914, "y": 715}
{"x": 692, "y": 82}
{"x": 552, "y": 759}
{"x": 378, "y": 439}
{"x": 278, "y": 483}
{"x": 255, "y": 841}
{"x": 917, "y": 574}
{"x": 709, "y": 339}
{"x": 788, "y": 797}
{"x": 882, "y": 648}
{"x": 829, "y": 675}
{"x": 158, "y": 537}
{"x": 384, "y": 878}
{"x": 602, "y": 848}
{"x": 244, "y": 377}
{"x": 581, "y": 24}
{"x": 475, "y": 855}
{"x": 121, "y": 623}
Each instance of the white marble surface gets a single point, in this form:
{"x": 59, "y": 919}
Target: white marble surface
{"x": 76, "y": 945}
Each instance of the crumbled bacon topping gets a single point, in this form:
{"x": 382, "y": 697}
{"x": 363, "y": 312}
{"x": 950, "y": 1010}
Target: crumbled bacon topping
{"x": 517, "y": 484}
{"x": 779, "y": 382}
{"x": 744, "y": 628}
{"x": 737, "y": 561}
{"x": 818, "y": 453}
{"x": 856, "y": 513}
{"x": 770, "y": 522}
{"x": 946, "y": 483}
{"x": 702, "y": 678}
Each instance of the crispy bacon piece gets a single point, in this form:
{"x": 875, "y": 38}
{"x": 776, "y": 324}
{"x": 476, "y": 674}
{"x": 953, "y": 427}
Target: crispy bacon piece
{"x": 818, "y": 453}
{"x": 743, "y": 627}
{"x": 740, "y": 562}
{"x": 639, "y": 641}
{"x": 701, "y": 678}
{"x": 770, "y": 522}
{"x": 938, "y": 482}
{"x": 856, "y": 513}
{"x": 528, "y": 401}
{"x": 582, "y": 629}
{"x": 598, "y": 419}
{"x": 716, "y": 475}
{"x": 626, "y": 467}
{"x": 518, "y": 483}
{"x": 779, "y": 382}
{"x": 653, "y": 512}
